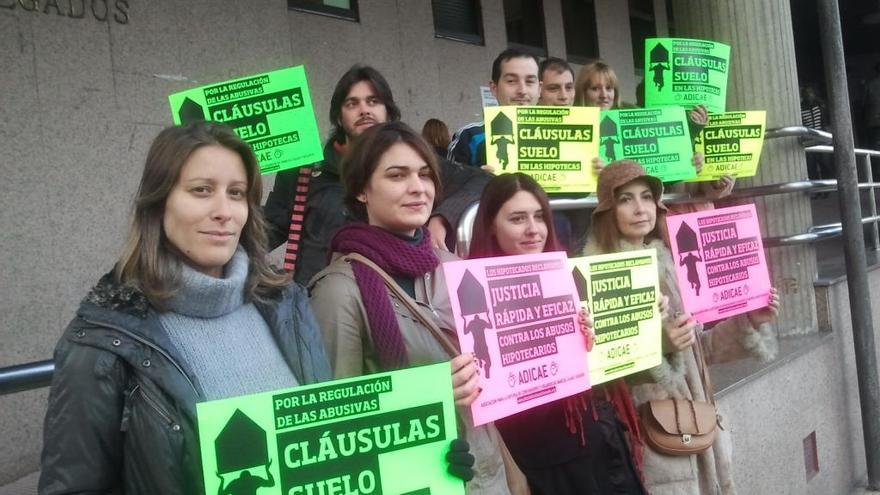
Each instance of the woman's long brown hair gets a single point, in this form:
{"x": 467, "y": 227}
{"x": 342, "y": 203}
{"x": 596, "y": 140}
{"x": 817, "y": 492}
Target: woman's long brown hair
{"x": 607, "y": 235}
{"x": 500, "y": 189}
{"x": 149, "y": 262}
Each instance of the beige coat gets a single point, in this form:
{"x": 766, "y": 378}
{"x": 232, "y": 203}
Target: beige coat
{"x": 337, "y": 304}
{"x": 678, "y": 377}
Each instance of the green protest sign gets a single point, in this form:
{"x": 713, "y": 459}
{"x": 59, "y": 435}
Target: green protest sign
{"x": 553, "y": 145}
{"x": 622, "y": 290}
{"x": 357, "y": 436}
{"x": 686, "y": 72}
{"x": 731, "y": 144}
{"x": 272, "y": 112}
{"x": 658, "y": 138}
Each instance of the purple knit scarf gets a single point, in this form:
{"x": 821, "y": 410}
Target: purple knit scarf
{"x": 398, "y": 258}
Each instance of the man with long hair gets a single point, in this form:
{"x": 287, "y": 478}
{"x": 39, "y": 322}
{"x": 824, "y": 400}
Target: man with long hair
{"x": 305, "y": 207}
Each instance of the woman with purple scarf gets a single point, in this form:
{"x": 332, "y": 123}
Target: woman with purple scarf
{"x": 391, "y": 180}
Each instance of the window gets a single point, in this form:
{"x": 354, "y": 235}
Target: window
{"x": 641, "y": 25}
{"x": 525, "y": 25}
{"x": 579, "y": 24}
{"x": 458, "y": 20}
{"x": 342, "y": 9}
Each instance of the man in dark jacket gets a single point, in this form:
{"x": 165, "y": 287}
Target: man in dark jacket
{"x": 305, "y": 208}
{"x": 514, "y": 82}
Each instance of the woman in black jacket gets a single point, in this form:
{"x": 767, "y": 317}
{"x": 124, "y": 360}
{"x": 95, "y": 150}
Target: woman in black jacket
{"x": 191, "y": 312}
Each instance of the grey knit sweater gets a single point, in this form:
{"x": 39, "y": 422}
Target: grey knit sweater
{"x": 225, "y": 342}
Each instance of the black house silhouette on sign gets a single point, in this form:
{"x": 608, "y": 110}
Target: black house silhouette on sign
{"x": 190, "y": 111}
{"x": 659, "y": 54}
{"x": 580, "y": 284}
{"x": 471, "y": 295}
{"x": 686, "y": 239}
{"x": 241, "y": 444}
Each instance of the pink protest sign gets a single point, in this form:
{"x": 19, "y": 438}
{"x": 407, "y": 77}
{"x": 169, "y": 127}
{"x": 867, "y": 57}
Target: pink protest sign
{"x": 720, "y": 262}
{"x": 519, "y": 316}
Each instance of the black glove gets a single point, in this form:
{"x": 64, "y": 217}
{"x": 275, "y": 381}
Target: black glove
{"x": 460, "y": 459}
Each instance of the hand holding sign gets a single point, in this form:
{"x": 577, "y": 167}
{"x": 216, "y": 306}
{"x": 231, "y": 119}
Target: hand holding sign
{"x": 465, "y": 380}
{"x": 765, "y": 315}
{"x": 460, "y": 459}
{"x": 680, "y": 333}
{"x": 699, "y": 115}
{"x": 586, "y": 322}
{"x": 718, "y": 189}
{"x": 663, "y": 307}
{"x": 697, "y": 161}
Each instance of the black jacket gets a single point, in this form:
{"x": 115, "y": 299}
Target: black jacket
{"x": 326, "y": 213}
{"x": 121, "y": 415}
{"x": 462, "y": 187}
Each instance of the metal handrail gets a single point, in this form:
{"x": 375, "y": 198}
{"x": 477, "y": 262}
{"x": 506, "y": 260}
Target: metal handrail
{"x": 466, "y": 223}
{"x": 26, "y": 376}
{"x": 822, "y": 148}
{"x": 794, "y": 240}
{"x": 817, "y": 233}
{"x": 797, "y": 131}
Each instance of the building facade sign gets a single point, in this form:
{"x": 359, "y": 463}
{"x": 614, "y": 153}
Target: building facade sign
{"x": 101, "y": 10}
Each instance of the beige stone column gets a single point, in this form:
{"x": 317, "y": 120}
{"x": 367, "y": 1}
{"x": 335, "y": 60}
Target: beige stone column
{"x": 763, "y": 76}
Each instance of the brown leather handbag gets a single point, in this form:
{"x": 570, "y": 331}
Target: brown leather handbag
{"x": 682, "y": 426}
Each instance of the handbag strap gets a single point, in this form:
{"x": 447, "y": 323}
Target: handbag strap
{"x": 705, "y": 377}
{"x": 448, "y": 346}
{"x": 675, "y": 404}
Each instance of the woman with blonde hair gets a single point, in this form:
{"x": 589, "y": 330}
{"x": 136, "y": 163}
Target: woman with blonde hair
{"x": 597, "y": 86}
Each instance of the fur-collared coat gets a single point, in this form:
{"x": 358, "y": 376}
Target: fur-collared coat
{"x": 678, "y": 377}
